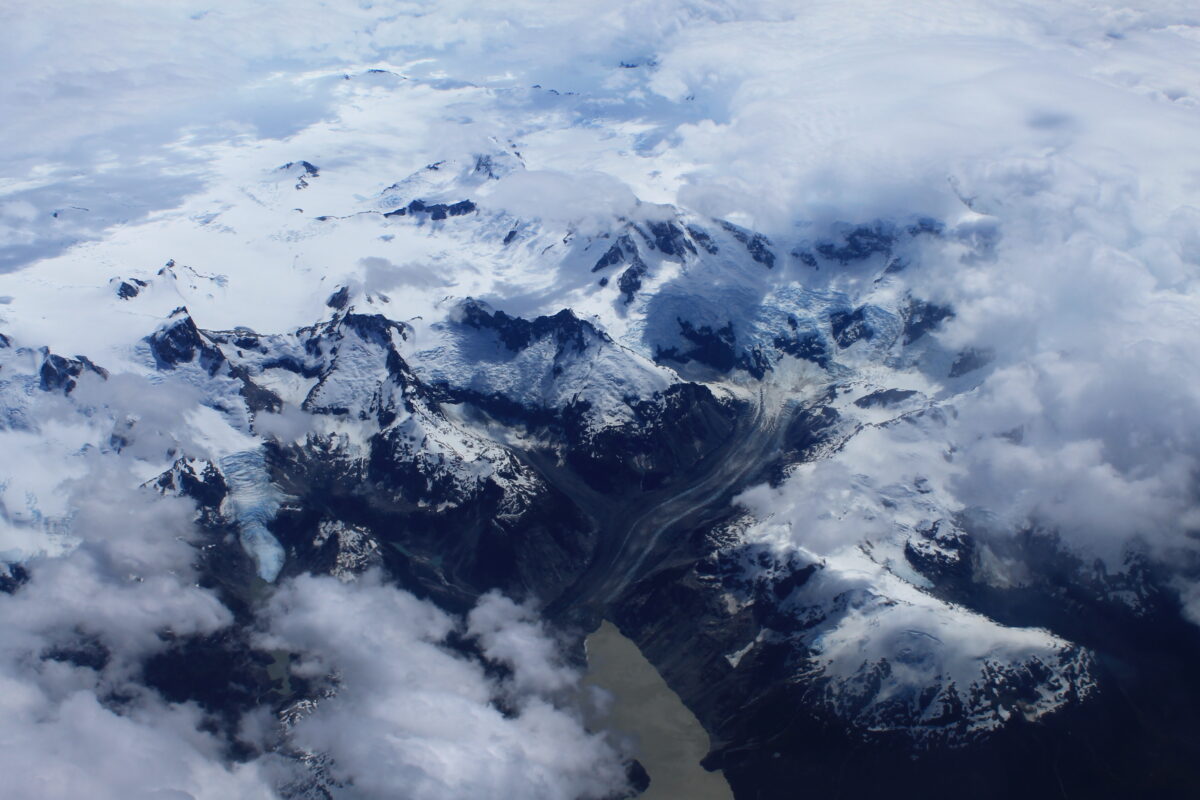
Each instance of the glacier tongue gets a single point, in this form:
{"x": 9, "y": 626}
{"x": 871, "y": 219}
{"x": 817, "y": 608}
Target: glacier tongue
{"x": 253, "y": 502}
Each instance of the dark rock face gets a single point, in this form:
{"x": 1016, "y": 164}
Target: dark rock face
{"x": 612, "y": 256}
{"x": 672, "y": 432}
{"x": 812, "y": 427}
{"x": 885, "y": 397}
{"x": 969, "y": 360}
{"x": 757, "y": 245}
{"x": 16, "y": 577}
{"x": 426, "y": 534}
{"x": 921, "y": 318}
{"x": 806, "y": 258}
{"x": 942, "y": 552}
{"x": 129, "y": 289}
{"x": 202, "y": 482}
{"x": 517, "y": 333}
{"x": 180, "y": 342}
{"x": 339, "y": 299}
{"x": 718, "y": 348}
{"x": 631, "y": 279}
{"x": 669, "y": 239}
{"x": 375, "y": 327}
{"x": 859, "y": 244}
{"x": 309, "y": 169}
{"x": 621, "y": 249}
{"x": 58, "y": 374}
{"x": 809, "y": 345}
{"x": 433, "y": 211}
{"x": 714, "y": 348}
{"x": 926, "y": 226}
{"x": 849, "y": 327}
{"x": 703, "y": 240}
{"x": 324, "y": 342}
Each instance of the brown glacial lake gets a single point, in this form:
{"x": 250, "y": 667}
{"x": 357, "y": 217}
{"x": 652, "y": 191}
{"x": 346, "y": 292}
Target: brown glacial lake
{"x": 668, "y": 739}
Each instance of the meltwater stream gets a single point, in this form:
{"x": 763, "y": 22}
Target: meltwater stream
{"x": 669, "y": 739}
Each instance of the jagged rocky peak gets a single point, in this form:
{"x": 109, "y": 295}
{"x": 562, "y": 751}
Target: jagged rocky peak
{"x": 859, "y": 243}
{"x": 531, "y": 371}
{"x": 969, "y": 360}
{"x": 180, "y": 345}
{"x": 436, "y": 192}
{"x": 667, "y": 231}
{"x": 565, "y": 328}
{"x": 339, "y": 299}
{"x": 715, "y": 344}
{"x": 59, "y": 374}
{"x": 621, "y": 251}
{"x": 370, "y": 327}
{"x": 304, "y": 167}
{"x": 498, "y": 163}
{"x": 757, "y": 245}
{"x": 199, "y": 479}
{"x": 668, "y": 237}
{"x": 178, "y": 341}
{"x": 849, "y": 243}
{"x": 940, "y": 549}
{"x": 630, "y": 281}
{"x": 128, "y": 288}
{"x": 347, "y": 364}
{"x": 351, "y": 548}
{"x": 421, "y": 209}
{"x": 302, "y": 171}
{"x": 356, "y": 358}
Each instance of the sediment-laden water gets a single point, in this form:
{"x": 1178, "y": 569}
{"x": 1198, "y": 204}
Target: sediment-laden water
{"x": 670, "y": 741}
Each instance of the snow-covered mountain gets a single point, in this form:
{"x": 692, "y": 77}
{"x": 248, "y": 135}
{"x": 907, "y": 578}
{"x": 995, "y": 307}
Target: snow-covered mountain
{"x": 338, "y": 407}
{"x": 662, "y": 360}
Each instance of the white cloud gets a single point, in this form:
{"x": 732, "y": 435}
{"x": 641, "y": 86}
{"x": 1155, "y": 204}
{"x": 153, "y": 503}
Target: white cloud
{"x": 1058, "y": 127}
{"x": 73, "y": 725}
{"x": 513, "y": 635}
{"x": 412, "y": 717}
{"x": 588, "y": 201}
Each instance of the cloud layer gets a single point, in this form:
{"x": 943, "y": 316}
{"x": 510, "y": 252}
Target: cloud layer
{"x": 410, "y": 717}
{"x": 411, "y": 700}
